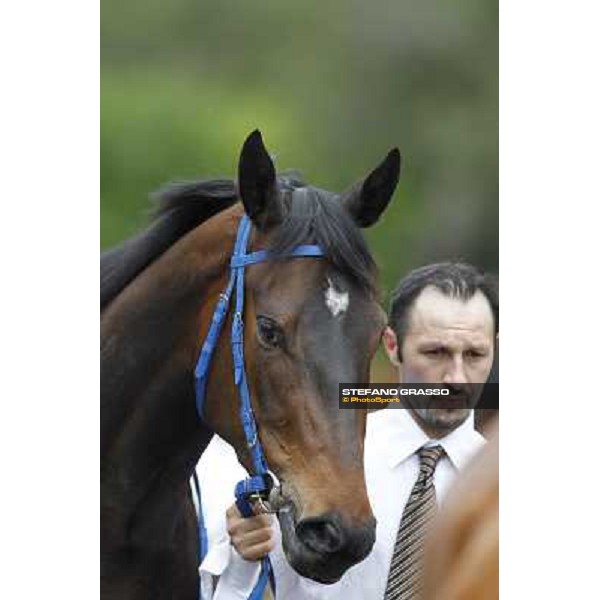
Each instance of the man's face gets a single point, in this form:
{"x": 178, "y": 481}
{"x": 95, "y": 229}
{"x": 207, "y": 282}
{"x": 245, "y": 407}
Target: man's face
{"x": 448, "y": 341}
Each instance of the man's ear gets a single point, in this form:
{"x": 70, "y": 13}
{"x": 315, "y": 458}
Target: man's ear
{"x": 257, "y": 183}
{"x": 390, "y": 343}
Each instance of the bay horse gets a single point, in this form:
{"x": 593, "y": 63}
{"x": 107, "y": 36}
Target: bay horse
{"x": 310, "y": 323}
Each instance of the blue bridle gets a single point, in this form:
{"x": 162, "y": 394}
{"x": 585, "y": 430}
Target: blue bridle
{"x": 259, "y": 485}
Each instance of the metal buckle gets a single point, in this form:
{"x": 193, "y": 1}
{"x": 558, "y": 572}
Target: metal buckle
{"x": 264, "y": 506}
{"x": 261, "y": 499}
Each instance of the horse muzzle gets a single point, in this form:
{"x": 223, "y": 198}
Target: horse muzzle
{"x": 323, "y": 547}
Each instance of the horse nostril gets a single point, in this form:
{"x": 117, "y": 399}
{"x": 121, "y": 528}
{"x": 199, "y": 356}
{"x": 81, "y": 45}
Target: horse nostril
{"x": 322, "y": 535}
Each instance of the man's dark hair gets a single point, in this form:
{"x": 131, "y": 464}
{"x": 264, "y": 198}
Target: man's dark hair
{"x": 454, "y": 279}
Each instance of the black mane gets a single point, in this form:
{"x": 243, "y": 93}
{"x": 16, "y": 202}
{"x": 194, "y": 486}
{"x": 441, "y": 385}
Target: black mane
{"x": 315, "y": 216}
{"x": 312, "y": 216}
{"x": 180, "y": 208}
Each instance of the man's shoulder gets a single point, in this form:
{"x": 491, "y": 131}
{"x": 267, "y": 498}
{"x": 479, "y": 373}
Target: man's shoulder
{"x": 378, "y": 423}
{"x": 462, "y": 446}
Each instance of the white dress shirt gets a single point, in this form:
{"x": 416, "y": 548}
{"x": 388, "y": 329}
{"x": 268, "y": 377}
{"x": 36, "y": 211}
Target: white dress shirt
{"x": 391, "y": 470}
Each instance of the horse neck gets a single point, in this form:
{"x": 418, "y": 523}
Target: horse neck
{"x": 151, "y": 436}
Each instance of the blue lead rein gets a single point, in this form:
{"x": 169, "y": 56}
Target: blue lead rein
{"x": 259, "y": 485}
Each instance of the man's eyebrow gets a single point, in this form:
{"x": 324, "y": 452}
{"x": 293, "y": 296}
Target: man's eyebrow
{"x": 481, "y": 346}
{"x": 478, "y": 345}
{"x": 431, "y": 342}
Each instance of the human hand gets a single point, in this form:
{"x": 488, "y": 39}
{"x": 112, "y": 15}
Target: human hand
{"x": 252, "y": 537}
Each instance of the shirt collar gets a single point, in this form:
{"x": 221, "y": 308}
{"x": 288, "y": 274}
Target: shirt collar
{"x": 403, "y": 437}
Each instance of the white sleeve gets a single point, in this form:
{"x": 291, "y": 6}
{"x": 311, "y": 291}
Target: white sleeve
{"x": 218, "y": 472}
{"x": 236, "y": 576}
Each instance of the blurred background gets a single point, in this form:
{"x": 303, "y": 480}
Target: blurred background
{"x": 333, "y": 85}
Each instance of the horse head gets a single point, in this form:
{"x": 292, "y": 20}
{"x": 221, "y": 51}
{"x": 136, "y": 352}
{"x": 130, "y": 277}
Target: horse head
{"x": 310, "y": 324}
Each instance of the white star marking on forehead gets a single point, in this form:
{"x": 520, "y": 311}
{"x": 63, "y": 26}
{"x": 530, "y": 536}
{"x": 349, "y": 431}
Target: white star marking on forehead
{"x": 337, "y": 302}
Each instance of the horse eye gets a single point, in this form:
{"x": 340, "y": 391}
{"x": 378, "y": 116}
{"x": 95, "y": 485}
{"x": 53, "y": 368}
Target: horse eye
{"x": 269, "y": 332}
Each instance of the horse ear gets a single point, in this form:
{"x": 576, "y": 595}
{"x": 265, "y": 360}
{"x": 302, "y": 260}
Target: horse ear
{"x": 367, "y": 200}
{"x": 257, "y": 183}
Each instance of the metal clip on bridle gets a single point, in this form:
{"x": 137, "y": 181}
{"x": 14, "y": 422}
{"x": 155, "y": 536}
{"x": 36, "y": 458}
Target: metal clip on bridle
{"x": 254, "y": 491}
{"x": 261, "y": 499}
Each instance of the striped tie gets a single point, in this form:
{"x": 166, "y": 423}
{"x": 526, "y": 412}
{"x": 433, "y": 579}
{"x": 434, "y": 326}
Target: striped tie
{"x": 404, "y": 580}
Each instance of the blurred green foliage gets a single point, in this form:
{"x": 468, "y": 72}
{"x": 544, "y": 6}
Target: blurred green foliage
{"x": 333, "y": 85}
